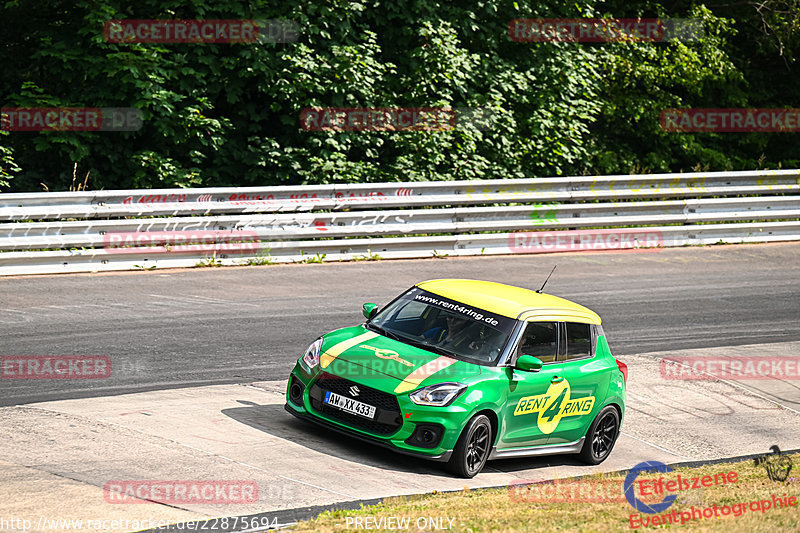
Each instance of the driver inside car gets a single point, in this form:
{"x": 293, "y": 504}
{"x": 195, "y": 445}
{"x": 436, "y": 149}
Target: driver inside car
{"x": 458, "y": 335}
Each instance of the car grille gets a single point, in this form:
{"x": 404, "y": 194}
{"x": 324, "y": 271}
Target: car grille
{"x": 388, "y": 417}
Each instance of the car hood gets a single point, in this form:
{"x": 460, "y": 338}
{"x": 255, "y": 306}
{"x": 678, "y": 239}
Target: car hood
{"x": 363, "y": 355}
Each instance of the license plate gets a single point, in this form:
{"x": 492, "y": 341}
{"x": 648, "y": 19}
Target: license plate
{"x": 350, "y": 405}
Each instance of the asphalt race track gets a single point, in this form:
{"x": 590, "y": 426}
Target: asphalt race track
{"x": 200, "y": 357}
{"x": 228, "y": 325}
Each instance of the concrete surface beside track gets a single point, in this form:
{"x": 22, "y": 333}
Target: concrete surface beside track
{"x": 58, "y": 455}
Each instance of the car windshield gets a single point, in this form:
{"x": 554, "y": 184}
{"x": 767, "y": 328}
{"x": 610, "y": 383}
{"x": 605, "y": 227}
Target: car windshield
{"x": 445, "y": 326}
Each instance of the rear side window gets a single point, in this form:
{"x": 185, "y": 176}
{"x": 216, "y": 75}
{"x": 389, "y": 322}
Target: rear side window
{"x": 579, "y": 341}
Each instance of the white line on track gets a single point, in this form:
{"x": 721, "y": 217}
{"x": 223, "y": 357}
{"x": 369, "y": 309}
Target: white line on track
{"x": 195, "y": 299}
{"x": 655, "y": 446}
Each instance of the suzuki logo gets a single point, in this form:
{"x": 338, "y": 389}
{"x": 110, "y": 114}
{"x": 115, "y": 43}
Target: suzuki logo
{"x": 354, "y": 391}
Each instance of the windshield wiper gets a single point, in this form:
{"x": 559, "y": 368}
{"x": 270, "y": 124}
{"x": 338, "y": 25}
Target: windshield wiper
{"x": 430, "y": 347}
{"x": 383, "y": 331}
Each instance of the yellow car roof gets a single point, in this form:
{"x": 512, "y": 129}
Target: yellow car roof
{"x": 512, "y": 302}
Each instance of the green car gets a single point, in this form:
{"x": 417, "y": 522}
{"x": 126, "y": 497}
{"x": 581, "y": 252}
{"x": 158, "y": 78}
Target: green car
{"x": 463, "y": 371}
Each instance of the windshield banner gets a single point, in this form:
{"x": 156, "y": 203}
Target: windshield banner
{"x": 498, "y": 322}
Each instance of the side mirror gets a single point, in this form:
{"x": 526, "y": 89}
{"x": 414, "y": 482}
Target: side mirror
{"x": 369, "y": 310}
{"x": 529, "y": 363}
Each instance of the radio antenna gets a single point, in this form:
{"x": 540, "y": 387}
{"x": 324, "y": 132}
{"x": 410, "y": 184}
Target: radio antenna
{"x": 548, "y": 279}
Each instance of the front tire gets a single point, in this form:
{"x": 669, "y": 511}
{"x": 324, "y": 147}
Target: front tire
{"x": 601, "y": 437}
{"x": 472, "y": 449}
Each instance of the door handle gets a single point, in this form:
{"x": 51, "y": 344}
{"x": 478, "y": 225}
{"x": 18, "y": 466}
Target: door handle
{"x": 557, "y": 379}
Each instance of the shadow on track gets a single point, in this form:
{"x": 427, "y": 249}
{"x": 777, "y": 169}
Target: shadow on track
{"x": 274, "y": 420}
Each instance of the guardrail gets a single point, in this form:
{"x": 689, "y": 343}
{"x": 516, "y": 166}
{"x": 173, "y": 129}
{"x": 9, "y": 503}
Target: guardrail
{"x": 133, "y": 229}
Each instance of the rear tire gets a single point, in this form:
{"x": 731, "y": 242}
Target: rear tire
{"x": 472, "y": 449}
{"x": 601, "y": 437}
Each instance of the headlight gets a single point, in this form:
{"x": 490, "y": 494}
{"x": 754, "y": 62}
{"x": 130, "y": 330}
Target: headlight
{"x": 438, "y": 395}
{"x": 310, "y": 359}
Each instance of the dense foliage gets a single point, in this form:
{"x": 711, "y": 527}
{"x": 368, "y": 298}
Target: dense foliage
{"x": 228, "y": 114}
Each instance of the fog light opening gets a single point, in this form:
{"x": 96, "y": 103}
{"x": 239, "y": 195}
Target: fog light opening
{"x": 296, "y": 392}
{"x": 426, "y": 436}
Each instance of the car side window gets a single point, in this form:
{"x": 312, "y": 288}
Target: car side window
{"x": 579, "y": 341}
{"x": 540, "y": 339}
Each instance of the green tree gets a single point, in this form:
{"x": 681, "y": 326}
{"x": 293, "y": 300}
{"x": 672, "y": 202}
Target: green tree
{"x": 229, "y": 114}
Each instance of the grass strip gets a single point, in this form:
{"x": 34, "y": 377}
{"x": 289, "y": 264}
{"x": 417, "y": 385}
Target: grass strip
{"x": 593, "y": 504}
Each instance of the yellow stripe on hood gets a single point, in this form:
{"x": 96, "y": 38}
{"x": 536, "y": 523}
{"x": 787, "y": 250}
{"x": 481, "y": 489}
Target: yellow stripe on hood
{"x": 336, "y": 350}
{"x": 413, "y": 380}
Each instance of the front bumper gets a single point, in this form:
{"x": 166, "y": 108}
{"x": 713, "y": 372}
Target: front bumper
{"x": 442, "y": 457}
{"x": 409, "y": 416}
